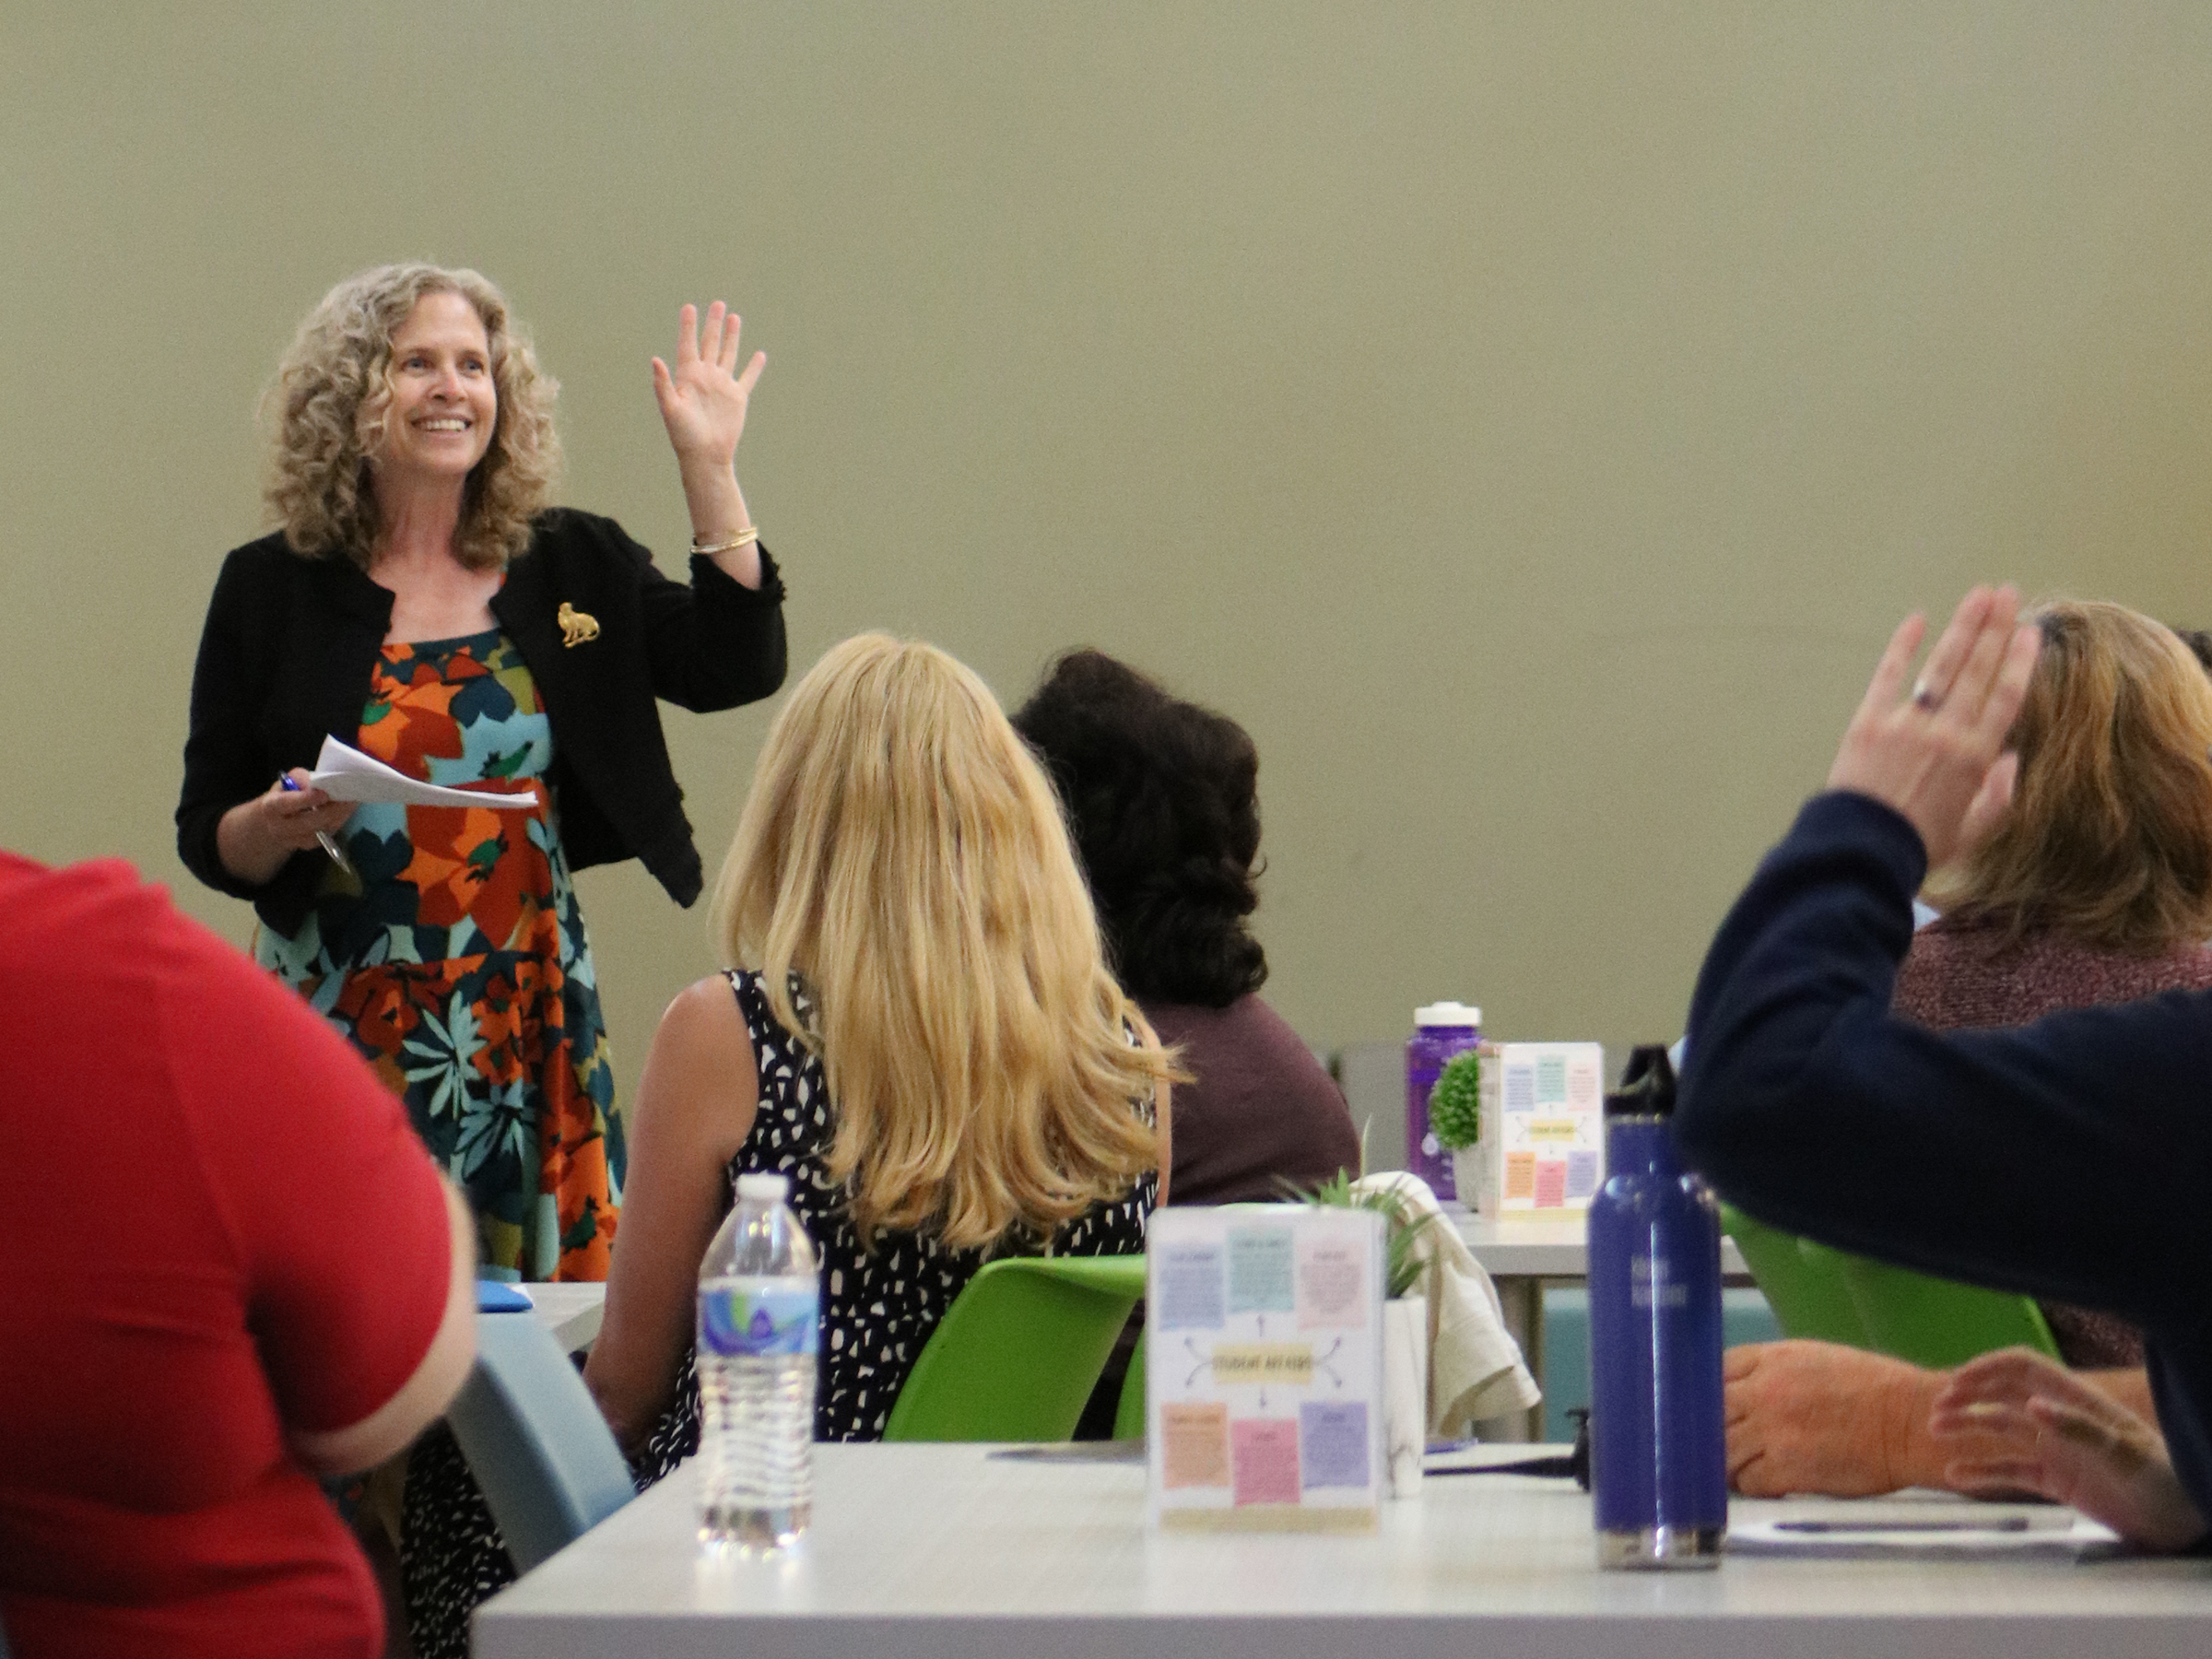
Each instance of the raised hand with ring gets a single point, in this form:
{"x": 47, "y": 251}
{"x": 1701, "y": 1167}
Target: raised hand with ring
{"x": 1938, "y": 757}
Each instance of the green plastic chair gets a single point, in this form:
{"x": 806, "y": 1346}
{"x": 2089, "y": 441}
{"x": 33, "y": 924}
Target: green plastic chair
{"x": 1129, "y": 1414}
{"x": 1805, "y": 1288}
{"x": 1939, "y": 1323}
{"x": 1834, "y": 1295}
{"x": 1019, "y": 1350}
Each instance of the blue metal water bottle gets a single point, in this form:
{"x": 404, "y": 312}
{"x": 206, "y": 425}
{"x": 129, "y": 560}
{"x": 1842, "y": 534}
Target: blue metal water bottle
{"x": 1658, "y": 1458}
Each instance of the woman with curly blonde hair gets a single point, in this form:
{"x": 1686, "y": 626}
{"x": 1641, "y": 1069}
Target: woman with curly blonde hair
{"x": 421, "y": 600}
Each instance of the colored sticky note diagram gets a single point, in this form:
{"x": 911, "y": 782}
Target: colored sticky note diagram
{"x": 1585, "y": 1089}
{"x": 1581, "y": 1176}
{"x": 1519, "y": 1175}
{"x": 1332, "y": 1284}
{"x": 1333, "y": 1443}
{"x": 1520, "y": 1087}
{"x": 1289, "y": 1364}
{"x": 1259, "y": 1270}
{"x": 1193, "y": 1437}
{"x": 1263, "y": 1459}
{"x": 1190, "y": 1286}
{"x": 1551, "y": 1182}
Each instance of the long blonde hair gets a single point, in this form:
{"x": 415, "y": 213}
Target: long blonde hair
{"x": 333, "y": 392}
{"x": 2108, "y": 838}
{"x": 903, "y": 852}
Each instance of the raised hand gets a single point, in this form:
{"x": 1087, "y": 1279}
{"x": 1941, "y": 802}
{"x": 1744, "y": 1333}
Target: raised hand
{"x": 703, "y": 398}
{"x": 2058, "y": 1436}
{"x": 1937, "y": 755}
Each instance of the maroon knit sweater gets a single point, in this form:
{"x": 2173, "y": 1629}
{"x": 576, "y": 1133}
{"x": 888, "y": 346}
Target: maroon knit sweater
{"x": 1965, "y": 974}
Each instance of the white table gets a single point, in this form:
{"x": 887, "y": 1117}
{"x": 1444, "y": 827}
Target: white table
{"x": 1542, "y": 1250}
{"x": 570, "y": 1312}
{"x": 922, "y": 1550}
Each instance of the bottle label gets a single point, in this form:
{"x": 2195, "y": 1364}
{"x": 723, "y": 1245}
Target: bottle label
{"x": 741, "y": 1322}
{"x": 1650, "y": 1286}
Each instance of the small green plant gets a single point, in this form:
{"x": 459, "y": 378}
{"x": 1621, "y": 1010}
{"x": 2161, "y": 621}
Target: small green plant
{"x": 1455, "y": 1103}
{"x": 1402, "y": 1224}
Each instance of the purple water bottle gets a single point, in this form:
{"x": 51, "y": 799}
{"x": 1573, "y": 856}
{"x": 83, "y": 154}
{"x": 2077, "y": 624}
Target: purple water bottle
{"x": 1440, "y": 1031}
{"x": 1658, "y": 1451}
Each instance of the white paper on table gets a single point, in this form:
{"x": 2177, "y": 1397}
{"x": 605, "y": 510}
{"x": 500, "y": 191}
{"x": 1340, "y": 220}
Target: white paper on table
{"x": 343, "y": 774}
{"x": 1939, "y": 1532}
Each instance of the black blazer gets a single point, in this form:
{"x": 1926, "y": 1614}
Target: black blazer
{"x": 290, "y": 644}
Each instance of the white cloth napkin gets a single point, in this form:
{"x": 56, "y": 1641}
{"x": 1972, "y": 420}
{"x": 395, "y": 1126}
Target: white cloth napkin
{"x": 1474, "y": 1366}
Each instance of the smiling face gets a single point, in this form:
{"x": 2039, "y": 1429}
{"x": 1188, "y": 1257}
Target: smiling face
{"x": 445, "y": 402}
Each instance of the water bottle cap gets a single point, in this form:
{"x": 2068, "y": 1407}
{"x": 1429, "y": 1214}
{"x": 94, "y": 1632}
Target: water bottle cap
{"x": 768, "y": 1189}
{"x": 1647, "y": 1085}
{"x": 1448, "y": 1014}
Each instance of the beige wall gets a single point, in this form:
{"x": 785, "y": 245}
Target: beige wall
{"x": 1529, "y": 420}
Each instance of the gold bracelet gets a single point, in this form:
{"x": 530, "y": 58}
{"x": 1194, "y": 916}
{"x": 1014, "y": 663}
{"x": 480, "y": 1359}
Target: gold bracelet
{"x": 744, "y": 538}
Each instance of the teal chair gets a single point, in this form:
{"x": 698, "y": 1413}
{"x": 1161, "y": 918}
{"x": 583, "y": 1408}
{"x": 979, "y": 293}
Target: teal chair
{"x": 1019, "y": 1350}
{"x": 535, "y": 1440}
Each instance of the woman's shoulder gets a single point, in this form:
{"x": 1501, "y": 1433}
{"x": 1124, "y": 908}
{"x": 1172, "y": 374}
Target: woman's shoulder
{"x": 264, "y": 576}
{"x": 264, "y": 561}
{"x": 570, "y": 532}
{"x": 263, "y": 550}
{"x": 705, "y": 1023}
{"x": 1248, "y": 1027}
{"x": 1973, "y": 975}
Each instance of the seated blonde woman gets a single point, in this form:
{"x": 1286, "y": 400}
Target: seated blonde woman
{"x": 918, "y": 1028}
{"x": 2095, "y": 888}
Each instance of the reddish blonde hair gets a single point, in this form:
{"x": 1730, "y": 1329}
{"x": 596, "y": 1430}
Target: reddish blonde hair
{"x": 2108, "y": 839}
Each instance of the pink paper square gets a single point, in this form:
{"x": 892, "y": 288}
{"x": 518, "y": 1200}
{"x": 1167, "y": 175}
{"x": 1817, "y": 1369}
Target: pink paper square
{"x": 1263, "y": 1455}
{"x": 1551, "y": 1182}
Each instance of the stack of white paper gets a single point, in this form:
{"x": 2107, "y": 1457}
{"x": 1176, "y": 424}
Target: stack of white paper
{"x": 343, "y": 774}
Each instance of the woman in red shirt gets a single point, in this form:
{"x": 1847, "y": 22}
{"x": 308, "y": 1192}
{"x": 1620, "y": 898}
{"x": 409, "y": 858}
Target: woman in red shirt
{"x": 234, "y": 1268}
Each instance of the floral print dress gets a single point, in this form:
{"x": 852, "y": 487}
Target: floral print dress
{"x": 454, "y": 958}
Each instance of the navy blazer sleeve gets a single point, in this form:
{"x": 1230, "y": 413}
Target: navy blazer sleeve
{"x": 713, "y": 644}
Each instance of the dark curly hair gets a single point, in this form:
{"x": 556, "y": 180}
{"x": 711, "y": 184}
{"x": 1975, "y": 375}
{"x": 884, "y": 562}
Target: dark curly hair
{"x": 1162, "y": 797}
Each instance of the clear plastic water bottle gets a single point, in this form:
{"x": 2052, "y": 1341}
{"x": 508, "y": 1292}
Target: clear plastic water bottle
{"x": 760, "y": 1320}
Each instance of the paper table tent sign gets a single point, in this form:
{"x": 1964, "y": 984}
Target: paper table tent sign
{"x": 1264, "y": 1367}
{"x": 1543, "y": 1144}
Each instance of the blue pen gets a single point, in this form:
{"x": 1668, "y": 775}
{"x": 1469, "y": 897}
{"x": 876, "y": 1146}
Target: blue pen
{"x": 329, "y": 843}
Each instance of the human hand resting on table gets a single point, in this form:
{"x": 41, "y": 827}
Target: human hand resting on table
{"x": 703, "y": 398}
{"x": 1938, "y": 756}
{"x": 1818, "y": 1416}
{"x": 2072, "y": 1444}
